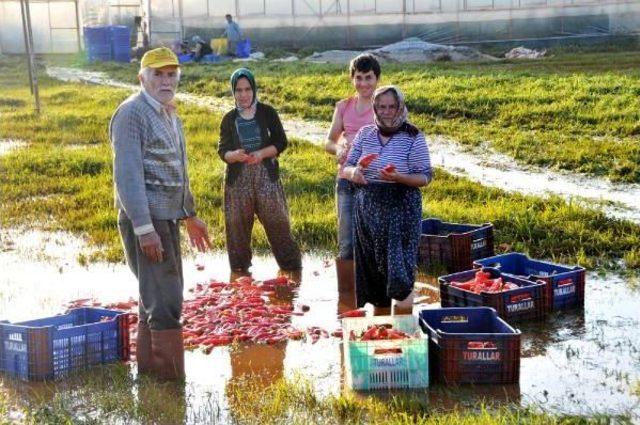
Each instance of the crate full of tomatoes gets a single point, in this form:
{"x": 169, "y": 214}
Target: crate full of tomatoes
{"x": 565, "y": 284}
{"x": 385, "y": 352}
{"x": 514, "y": 298}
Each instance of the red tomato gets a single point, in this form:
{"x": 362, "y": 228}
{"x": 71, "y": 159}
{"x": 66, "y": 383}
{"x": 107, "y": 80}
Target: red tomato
{"x": 389, "y": 168}
{"x": 366, "y": 160}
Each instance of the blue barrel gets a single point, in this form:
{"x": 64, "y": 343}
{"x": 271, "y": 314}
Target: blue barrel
{"x": 120, "y": 37}
{"x": 243, "y": 48}
{"x": 98, "y": 43}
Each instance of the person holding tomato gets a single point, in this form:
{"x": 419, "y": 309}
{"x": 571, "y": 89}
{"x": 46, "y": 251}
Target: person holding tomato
{"x": 251, "y": 139}
{"x": 388, "y": 163}
{"x": 349, "y": 116}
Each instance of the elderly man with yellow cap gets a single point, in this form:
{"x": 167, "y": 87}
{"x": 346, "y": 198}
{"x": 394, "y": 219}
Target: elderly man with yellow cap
{"x": 152, "y": 196}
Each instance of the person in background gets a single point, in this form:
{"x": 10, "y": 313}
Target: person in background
{"x": 153, "y": 197}
{"x": 251, "y": 139}
{"x": 349, "y": 116}
{"x": 200, "y": 48}
{"x": 388, "y": 163}
{"x": 233, "y": 34}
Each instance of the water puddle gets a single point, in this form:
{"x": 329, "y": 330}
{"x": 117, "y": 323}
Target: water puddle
{"x": 481, "y": 165}
{"x": 497, "y": 170}
{"x": 580, "y": 362}
{"x": 8, "y": 145}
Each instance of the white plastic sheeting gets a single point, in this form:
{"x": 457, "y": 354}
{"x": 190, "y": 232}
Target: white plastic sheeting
{"x": 53, "y": 25}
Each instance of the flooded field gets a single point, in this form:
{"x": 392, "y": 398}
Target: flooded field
{"x": 482, "y": 165}
{"x": 579, "y": 362}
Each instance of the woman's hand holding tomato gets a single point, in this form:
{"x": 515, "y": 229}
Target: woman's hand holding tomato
{"x": 389, "y": 173}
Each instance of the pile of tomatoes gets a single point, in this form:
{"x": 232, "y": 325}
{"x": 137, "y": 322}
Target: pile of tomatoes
{"x": 484, "y": 283}
{"x": 379, "y": 333}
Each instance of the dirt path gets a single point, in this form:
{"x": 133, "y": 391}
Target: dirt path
{"x": 487, "y": 167}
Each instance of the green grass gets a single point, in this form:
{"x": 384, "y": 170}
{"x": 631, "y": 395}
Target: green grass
{"x": 62, "y": 181}
{"x": 111, "y": 395}
{"x": 576, "y": 112}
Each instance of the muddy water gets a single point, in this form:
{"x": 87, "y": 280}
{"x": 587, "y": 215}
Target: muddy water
{"x": 493, "y": 169}
{"x": 581, "y": 362}
{"x": 482, "y": 165}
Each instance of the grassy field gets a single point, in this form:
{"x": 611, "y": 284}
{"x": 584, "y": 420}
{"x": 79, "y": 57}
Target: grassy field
{"x": 111, "y": 395}
{"x": 573, "y": 112}
{"x": 62, "y": 181}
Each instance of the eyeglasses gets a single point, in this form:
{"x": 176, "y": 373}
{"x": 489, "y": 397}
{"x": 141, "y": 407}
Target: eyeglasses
{"x": 387, "y": 107}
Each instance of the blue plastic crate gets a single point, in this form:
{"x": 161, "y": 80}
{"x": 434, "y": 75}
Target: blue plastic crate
{"x": 369, "y": 365}
{"x": 471, "y": 345}
{"x": 52, "y": 347}
{"x": 454, "y": 245}
{"x": 565, "y": 284}
{"x": 528, "y": 302}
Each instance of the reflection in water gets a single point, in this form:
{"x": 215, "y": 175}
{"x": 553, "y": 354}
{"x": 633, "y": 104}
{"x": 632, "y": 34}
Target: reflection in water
{"x": 576, "y": 362}
{"x": 260, "y": 363}
{"x": 559, "y": 326}
{"x": 153, "y": 398}
{"x": 253, "y": 367}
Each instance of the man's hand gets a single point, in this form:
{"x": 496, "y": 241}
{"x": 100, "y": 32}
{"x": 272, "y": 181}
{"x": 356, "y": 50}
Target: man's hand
{"x": 198, "y": 234}
{"x": 151, "y": 246}
{"x": 239, "y": 155}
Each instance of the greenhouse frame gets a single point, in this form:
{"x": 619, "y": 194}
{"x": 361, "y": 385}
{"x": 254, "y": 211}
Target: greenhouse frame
{"x": 57, "y": 24}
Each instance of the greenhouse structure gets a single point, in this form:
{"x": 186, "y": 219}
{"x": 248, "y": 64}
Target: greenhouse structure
{"x": 58, "y": 24}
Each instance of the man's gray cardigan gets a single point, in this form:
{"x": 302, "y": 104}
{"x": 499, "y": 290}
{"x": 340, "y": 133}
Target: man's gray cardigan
{"x": 149, "y": 164}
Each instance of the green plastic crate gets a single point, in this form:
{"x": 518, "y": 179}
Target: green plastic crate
{"x": 366, "y": 370}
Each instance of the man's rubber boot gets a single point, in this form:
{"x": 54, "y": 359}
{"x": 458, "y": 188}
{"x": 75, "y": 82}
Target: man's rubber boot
{"x": 143, "y": 349}
{"x": 168, "y": 354}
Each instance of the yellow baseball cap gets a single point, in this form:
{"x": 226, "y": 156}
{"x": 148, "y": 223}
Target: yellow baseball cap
{"x": 157, "y": 58}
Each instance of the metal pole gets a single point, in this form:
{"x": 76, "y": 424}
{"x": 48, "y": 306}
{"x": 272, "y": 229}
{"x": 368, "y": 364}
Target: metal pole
{"x": 26, "y": 42}
{"x": 181, "y": 19}
{"x": 404, "y": 19}
{"x": 349, "y": 40}
{"x": 293, "y": 23}
{"x": 34, "y": 78}
{"x": 50, "y": 28}
{"x": 148, "y": 28}
{"x": 78, "y": 33}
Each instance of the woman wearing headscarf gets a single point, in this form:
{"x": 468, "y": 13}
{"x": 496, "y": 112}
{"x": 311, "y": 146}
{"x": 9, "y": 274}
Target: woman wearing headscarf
{"x": 388, "y": 163}
{"x": 251, "y": 139}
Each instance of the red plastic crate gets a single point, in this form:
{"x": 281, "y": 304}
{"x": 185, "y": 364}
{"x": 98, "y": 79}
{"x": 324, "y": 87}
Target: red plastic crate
{"x": 452, "y": 245}
{"x": 471, "y": 345}
{"x": 528, "y": 302}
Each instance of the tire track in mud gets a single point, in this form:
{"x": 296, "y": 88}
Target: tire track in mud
{"x": 484, "y": 165}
